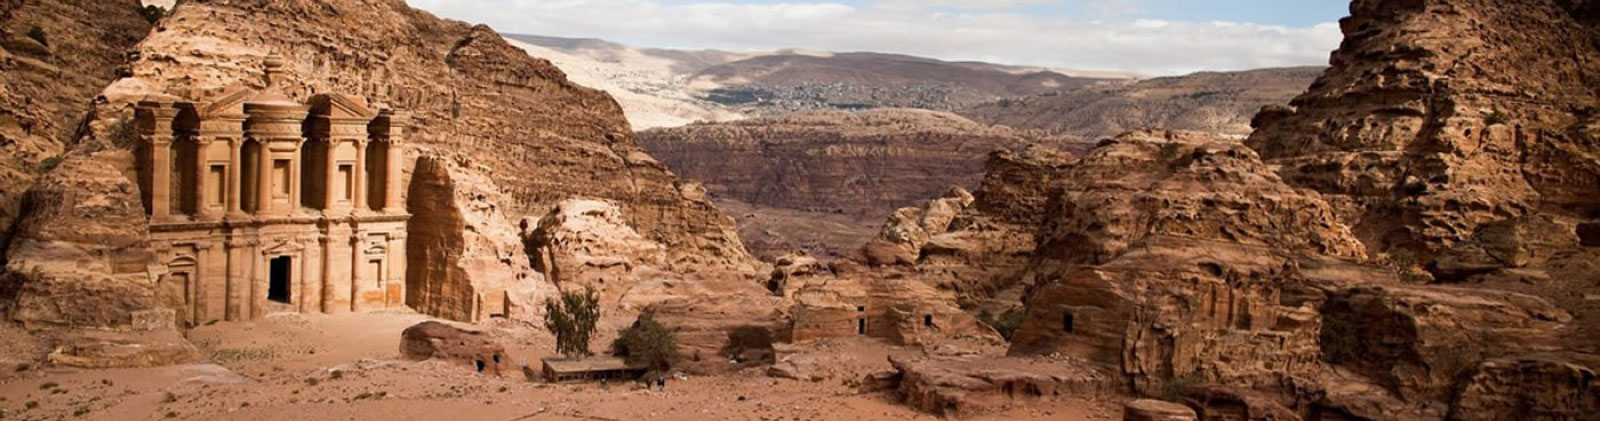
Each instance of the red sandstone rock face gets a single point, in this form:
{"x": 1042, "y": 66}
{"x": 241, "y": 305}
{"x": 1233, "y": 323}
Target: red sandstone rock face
{"x": 977, "y": 245}
{"x": 1166, "y": 253}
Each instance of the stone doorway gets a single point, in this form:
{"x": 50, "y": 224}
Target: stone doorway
{"x": 278, "y": 281}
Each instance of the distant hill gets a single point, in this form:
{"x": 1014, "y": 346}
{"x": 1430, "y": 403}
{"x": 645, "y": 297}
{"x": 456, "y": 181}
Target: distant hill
{"x": 668, "y": 88}
{"x": 781, "y": 83}
{"x": 1211, "y": 102}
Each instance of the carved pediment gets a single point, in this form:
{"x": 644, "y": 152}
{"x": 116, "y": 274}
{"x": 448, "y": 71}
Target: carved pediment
{"x": 341, "y": 106}
{"x": 282, "y": 246}
{"x": 229, "y": 104}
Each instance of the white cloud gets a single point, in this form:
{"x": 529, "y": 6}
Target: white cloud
{"x": 1144, "y": 46}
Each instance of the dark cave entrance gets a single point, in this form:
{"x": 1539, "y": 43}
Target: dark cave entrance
{"x": 278, "y": 281}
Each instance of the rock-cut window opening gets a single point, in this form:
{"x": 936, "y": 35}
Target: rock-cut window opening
{"x": 1066, "y": 322}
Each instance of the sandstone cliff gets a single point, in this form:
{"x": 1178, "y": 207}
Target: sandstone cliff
{"x": 48, "y": 82}
{"x": 1212, "y": 102}
{"x": 858, "y": 165}
{"x": 865, "y": 163}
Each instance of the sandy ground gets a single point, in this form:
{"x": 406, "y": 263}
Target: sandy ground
{"x": 347, "y": 367}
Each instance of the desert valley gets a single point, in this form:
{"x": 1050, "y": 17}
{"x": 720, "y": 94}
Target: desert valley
{"x": 356, "y": 209}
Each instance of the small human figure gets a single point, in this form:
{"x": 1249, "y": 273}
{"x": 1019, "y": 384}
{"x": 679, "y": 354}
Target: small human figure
{"x": 602, "y": 383}
{"x": 661, "y": 383}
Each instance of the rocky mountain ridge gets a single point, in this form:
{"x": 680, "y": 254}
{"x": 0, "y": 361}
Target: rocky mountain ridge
{"x": 1212, "y": 102}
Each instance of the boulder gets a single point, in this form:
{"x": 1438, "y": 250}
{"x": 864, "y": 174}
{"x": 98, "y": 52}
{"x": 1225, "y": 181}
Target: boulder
{"x": 435, "y": 340}
{"x": 900, "y": 240}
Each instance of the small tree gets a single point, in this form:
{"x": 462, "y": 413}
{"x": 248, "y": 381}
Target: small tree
{"x": 572, "y": 319}
{"x": 37, "y": 34}
{"x": 647, "y": 343}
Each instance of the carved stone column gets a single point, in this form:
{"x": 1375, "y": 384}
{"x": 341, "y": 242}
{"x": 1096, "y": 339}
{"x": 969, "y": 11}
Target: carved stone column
{"x": 327, "y": 273}
{"x": 202, "y": 165}
{"x": 263, "y": 178}
{"x": 155, "y": 121}
{"x": 396, "y": 293}
{"x": 259, "y": 281}
{"x": 361, "y": 204}
{"x": 235, "y": 178}
{"x": 332, "y": 196}
{"x": 391, "y": 194}
{"x": 355, "y": 270}
{"x": 294, "y": 178}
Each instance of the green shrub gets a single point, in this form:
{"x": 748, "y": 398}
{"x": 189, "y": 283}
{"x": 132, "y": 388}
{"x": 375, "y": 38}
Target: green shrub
{"x": 49, "y": 164}
{"x": 1496, "y": 117}
{"x": 153, "y": 13}
{"x": 647, "y": 343}
{"x": 37, "y": 34}
{"x": 1170, "y": 151}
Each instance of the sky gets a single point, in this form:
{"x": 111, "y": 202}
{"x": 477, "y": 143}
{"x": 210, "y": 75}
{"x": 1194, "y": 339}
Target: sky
{"x": 1151, "y": 37}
